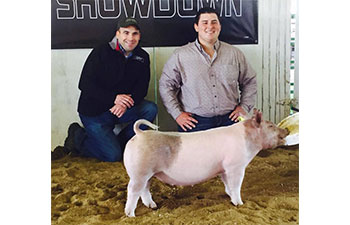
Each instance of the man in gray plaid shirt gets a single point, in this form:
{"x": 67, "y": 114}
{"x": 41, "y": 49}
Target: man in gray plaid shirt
{"x": 207, "y": 83}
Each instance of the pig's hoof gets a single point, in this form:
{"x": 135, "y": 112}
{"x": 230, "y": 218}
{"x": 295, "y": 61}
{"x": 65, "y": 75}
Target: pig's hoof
{"x": 152, "y": 205}
{"x": 149, "y": 203}
{"x": 237, "y": 203}
{"x": 129, "y": 213}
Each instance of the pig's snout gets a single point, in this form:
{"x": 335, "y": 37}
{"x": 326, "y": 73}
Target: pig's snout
{"x": 283, "y": 133}
{"x": 281, "y": 136}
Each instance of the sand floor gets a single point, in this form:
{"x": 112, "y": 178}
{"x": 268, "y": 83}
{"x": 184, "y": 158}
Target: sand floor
{"x": 86, "y": 191}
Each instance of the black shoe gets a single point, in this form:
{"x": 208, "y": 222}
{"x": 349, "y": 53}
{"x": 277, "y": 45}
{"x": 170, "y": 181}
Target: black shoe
{"x": 59, "y": 152}
{"x": 69, "y": 142}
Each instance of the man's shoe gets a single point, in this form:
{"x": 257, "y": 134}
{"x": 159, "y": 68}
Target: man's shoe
{"x": 69, "y": 143}
{"x": 59, "y": 152}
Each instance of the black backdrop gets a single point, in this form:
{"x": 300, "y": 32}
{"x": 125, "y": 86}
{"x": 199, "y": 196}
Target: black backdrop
{"x": 86, "y": 23}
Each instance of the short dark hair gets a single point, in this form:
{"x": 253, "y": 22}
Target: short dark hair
{"x": 205, "y": 10}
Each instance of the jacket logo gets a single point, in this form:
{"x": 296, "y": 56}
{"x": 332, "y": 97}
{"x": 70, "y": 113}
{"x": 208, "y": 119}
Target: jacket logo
{"x": 140, "y": 59}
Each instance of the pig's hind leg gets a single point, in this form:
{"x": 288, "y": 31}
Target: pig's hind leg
{"x": 135, "y": 189}
{"x": 147, "y": 197}
{"x": 233, "y": 182}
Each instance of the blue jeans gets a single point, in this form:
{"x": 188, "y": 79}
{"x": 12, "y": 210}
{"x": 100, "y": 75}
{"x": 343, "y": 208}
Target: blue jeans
{"x": 99, "y": 141}
{"x": 205, "y": 123}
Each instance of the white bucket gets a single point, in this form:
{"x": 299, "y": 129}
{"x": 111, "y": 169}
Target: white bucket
{"x": 292, "y": 124}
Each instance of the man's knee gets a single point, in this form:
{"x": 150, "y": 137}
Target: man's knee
{"x": 102, "y": 144}
{"x": 153, "y": 109}
{"x": 150, "y": 109}
{"x": 113, "y": 156}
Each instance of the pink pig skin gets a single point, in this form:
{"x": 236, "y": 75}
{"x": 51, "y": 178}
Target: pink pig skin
{"x": 190, "y": 158}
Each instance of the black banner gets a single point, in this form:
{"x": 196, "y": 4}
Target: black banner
{"x": 86, "y": 23}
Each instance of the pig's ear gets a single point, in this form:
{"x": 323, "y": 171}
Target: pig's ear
{"x": 257, "y": 117}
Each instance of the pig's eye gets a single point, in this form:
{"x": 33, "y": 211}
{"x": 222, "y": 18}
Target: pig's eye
{"x": 270, "y": 126}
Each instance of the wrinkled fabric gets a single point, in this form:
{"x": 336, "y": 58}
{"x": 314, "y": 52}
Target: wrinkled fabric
{"x": 193, "y": 82}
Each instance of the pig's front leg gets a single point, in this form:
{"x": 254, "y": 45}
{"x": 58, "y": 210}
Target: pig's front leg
{"x": 233, "y": 181}
{"x": 224, "y": 180}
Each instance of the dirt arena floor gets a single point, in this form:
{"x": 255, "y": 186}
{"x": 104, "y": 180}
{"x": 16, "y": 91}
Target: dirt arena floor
{"x": 86, "y": 191}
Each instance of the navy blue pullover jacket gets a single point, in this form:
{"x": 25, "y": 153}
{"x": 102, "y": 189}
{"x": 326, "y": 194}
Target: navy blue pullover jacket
{"x": 107, "y": 73}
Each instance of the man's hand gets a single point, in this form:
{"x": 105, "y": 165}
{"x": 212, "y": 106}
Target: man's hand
{"x": 239, "y": 111}
{"x": 185, "y": 119}
{"x": 124, "y": 99}
{"x": 118, "y": 110}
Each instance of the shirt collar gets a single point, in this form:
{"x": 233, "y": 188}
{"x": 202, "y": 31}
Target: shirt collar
{"x": 198, "y": 45}
{"x": 120, "y": 48}
{"x": 116, "y": 46}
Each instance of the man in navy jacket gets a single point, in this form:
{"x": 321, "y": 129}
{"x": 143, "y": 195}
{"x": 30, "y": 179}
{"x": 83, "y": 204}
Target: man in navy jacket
{"x": 113, "y": 84}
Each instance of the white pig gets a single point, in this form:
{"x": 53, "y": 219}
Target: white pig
{"x": 190, "y": 158}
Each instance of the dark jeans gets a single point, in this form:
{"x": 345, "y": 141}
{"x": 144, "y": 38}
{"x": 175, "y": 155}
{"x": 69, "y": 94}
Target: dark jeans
{"x": 205, "y": 123}
{"x": 98, "y": 139}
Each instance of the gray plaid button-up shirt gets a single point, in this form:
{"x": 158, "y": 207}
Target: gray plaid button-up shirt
{"x": 193, "y": 82}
